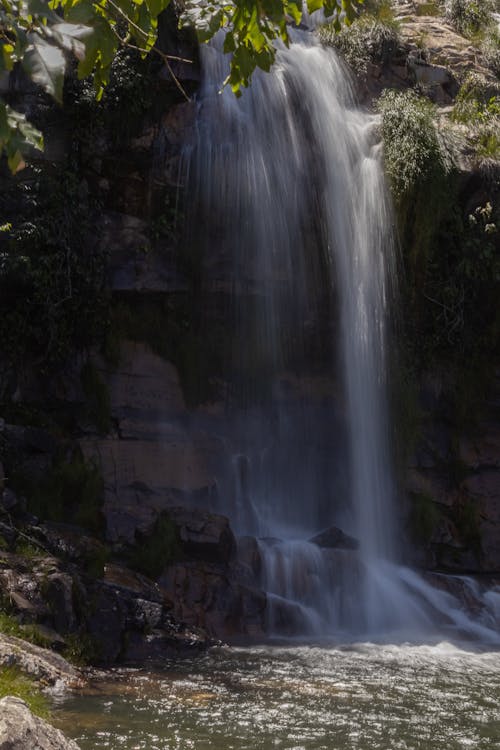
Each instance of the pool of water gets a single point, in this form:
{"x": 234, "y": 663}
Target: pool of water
{"x": 360, "y": 696}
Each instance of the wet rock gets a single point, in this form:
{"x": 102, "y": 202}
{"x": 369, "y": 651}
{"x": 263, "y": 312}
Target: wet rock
{"x": 177, "y": 122}
{"x": 204, "y": 535}
{"x": 466, "y": 590}
{"x": 71, "y": 543}
{"x": 121, "y": 613}
{"x": 205, "y": 596}
{"x": 335, "y": 538}
{"x": 249, "y": 555}
{"x": 58, "y": 591}
{"x": 483, "y": 449}
{"x": 484, "y": 489}
{"x": 21, "y": 586}
{"x": 20, "y": 729}
{"x": 134, "y": 583}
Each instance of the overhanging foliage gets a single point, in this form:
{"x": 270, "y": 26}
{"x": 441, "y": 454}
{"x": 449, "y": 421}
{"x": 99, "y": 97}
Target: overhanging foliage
{"x": 41, "y": 36}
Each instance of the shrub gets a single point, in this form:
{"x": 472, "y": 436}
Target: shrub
{"x": 469, "y": 16}
{"x": 490, "y": 49}
{"x": 367, "y": 40}
{"x": 53, "y": 300}
{"x": 414, "y": 150}
{"x": 478, "y": 106}
{"x": 71, "y": 492}
{"x": 9, "y": 625}
{"x": 154, "y": 551}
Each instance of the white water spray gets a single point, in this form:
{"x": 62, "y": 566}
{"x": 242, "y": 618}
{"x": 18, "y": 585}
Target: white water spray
{"x": 288, "y": 182}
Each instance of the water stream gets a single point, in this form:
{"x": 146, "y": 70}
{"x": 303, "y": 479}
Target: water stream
{"x": 288, "y": 185}
{"x": 289, "y": 194}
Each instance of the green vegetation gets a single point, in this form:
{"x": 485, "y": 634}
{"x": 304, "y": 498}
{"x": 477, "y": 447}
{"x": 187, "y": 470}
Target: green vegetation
{"x": 429, "y": 9}
{"x": 154, "y": 551}
{"x": 415, "y": 153}
{"x": 71, "y": 492}
{"x": 14, "y": 682}
{"x": 81, "y": 649}
{"x": 42, "y": 36}
{"x": 372, "y": 38}
{"x": 9, "y": 625}
{"x": 490, "y": 49}
{"x": 419, "y": 163}
{"x": 478, "y": 106}
{"x": 450, "y": 263}
{"x": 469, "y": 17}
{"x": 52, "y": 279}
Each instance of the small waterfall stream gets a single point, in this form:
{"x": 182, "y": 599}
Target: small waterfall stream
{"x": 289, "y": 186}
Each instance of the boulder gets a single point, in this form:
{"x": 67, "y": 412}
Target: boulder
{"x": 20, "y": 729}
{"x": 334, "y": 538}
{"x": 203, "y": 535}
{"x": 46, "y": 666}
{"x": 205, "y": 596}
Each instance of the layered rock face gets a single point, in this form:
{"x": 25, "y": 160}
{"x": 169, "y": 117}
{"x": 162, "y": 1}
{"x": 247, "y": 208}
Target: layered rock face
{"x": 163, "y": 454}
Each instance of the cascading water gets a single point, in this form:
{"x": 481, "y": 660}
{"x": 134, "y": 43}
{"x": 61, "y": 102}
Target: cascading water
{"x": 288, "y": 184}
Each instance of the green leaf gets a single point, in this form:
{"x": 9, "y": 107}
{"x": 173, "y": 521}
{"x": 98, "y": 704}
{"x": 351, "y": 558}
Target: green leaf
{"x": 157, "y": 6}
{"x": 314, "y": 5}
{"x": 295, "y": 10}
{"x": 81, "y": 11}
{"x": 45, "y": 64}
{"x": 88, "y": 62}
{"x": 70, "y": 36}
{"x": 6, "y": 57}
{"x": 15, "y": 161}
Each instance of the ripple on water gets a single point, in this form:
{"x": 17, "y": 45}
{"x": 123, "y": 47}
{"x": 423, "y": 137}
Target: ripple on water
{"x": 354, "y": 697}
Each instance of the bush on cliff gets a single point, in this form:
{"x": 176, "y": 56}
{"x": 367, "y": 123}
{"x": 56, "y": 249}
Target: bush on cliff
{"x": 469, "y": 17}
{"x": 372, "y": 38}
{"x": 478, "y": 106}
{"x": 415, "y": 151}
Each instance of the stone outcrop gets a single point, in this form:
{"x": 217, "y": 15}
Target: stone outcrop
{"x": 152, "y": 461}
{"x": 207, "y": 595}
{"x": 45, "y": 666}
{"x": 334, "y": 538}
{"x": 20, "y": 729}
{"x": 205, "y": 536}
{"x": 109, "y": 614}
{"x": 433, "y": 55}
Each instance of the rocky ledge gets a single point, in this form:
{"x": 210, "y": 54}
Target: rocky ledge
{"x": 20, "y": 729}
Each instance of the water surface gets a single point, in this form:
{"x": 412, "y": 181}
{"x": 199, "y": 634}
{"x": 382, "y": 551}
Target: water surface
{"x": 353, "y": 697}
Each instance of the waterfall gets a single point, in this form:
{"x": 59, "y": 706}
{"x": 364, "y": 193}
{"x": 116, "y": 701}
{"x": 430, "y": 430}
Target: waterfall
{"x": 289, "y": 189}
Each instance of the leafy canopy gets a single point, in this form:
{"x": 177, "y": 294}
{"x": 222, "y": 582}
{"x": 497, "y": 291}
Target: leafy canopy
{"x": 41, "y": 35}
